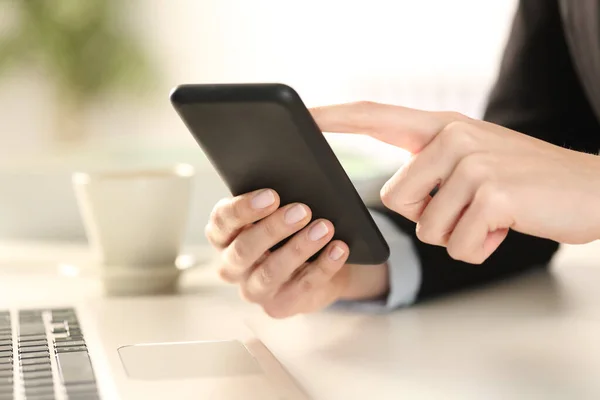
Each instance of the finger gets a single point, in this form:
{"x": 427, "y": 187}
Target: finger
{"x": 482, "y": 228}
{"x": 408, "y": 191}
{"x": 443, "y": 211}
{"x": 254, "y": 241}
{"x": 407, "y": 128}
{"x": 229, "y": 216}
{"x": 296, "y": 294}
{"x": 229, "y": 275}
{"x": 268, "y": 276}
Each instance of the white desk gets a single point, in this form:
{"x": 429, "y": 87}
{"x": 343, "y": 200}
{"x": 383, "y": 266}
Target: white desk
{"x": 537, "y": 337}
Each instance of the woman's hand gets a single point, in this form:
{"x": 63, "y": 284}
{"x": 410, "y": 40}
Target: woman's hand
{"x": 244, "y": 228}
{"x": 491, "y": 179}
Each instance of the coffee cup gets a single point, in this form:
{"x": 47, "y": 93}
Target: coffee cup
{"x": 135, "y": 222}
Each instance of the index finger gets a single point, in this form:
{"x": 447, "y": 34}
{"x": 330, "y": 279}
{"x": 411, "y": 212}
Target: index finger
{"x": 229, "y": 216}
{"x": 407, "y": 128}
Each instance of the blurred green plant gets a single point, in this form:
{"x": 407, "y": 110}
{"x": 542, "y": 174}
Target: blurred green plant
{"x": 82, "y": 46}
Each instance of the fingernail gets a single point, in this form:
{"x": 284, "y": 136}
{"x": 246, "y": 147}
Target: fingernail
{"x": 318, "y": 231}
{"x": 295, "y": 214}
{"x": 263, "y": 199}
{"x": 336, "y": 253}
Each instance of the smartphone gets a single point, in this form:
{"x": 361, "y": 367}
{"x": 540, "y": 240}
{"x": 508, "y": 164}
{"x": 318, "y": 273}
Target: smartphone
{"x": 263, "y": 136}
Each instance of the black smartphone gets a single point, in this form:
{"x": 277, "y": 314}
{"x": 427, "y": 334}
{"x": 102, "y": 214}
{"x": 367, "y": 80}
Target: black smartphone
{"x": 263, "y": 136}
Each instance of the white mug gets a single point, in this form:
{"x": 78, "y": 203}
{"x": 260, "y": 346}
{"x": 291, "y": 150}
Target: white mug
{"x": 135, "y": 221}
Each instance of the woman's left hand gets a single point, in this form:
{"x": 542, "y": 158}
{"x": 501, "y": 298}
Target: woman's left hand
{"x": 491, "y": 179}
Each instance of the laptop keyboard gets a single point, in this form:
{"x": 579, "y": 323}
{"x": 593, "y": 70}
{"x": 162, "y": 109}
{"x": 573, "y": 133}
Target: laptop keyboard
{"x": 50, "y": 361}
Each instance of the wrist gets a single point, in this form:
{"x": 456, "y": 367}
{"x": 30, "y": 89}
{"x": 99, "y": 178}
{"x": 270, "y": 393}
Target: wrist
{"x": 590, "y": 192}
{"x": 366, "y": 282}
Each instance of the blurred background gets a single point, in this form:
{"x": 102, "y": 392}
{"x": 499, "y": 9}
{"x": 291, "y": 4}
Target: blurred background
{"x": 84, "y": 84}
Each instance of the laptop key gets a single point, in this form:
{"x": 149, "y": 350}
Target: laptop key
{"x": 45, "y": 373}
{"x": 81, "y": 388}
{"x": 34, "y": 361}
{"x": 37, "y": 367}
{"x": 33, "y": 349}
{"x": 32, "y": 338}
{"x": 31, "y": 391}
{"x": 33, "y": 343}
{"x": 32, "y": 331}
{"x": 39, "y": 354}
{"x": 69, "y": 343}
{"x": 58, "y": 327}
{"x": 43, "y": 396}
{"x": 38, "y": 382}
{"x": 65, "y": 310}
{"x": 65, "y": 337}
{"x": 6, "y": 389}
{"x": 69, "y": 349}
{"x": 75, "y": 367}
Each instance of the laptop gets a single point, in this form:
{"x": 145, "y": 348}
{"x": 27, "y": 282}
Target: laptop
{"x": 180, "y": 347}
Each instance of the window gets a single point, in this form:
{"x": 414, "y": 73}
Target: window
{"x": 432, "y": 54}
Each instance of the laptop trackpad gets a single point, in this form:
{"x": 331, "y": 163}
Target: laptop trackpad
{"x": 189, "y": 360}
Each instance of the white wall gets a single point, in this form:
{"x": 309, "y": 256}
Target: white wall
{"x": 421, "y": 53}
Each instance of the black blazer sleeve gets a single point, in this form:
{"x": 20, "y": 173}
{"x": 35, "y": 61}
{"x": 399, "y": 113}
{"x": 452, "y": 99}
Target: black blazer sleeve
{"x": 536, "y": 93}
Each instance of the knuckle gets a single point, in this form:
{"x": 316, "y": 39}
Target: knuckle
{"x": 462, "y": 254}
{"x": 225, "y": 275}
{"x": 216, "y": 214}
{"x": 490, "y": 196}
{"x": 424, "y": 233}
{"x": 306, "y": 285}
{"x": 296, "y": 250}
{"x": 455, "y": 253}
{"x": 237, "y": 253}
{"x": 209, "y": 232}
{"x": 249, "y": 295}
{"x": 276, "y": 312}
{"x": 476, "y": 259}
{"x": 212, "y": 236}
{"x": 217, "y": 220}
{"x": 236, "y": 213}
{"x": 457, "y": 134}
{"x": 456, "y": 116}
{"x": 474, "y": 168}
{"x": 388, "y": 195}
{"x": 265, "y": 274}
{"x": 220, "y": 205}
{"x": 391, "y": 192}
{"x": 270, "y": 228}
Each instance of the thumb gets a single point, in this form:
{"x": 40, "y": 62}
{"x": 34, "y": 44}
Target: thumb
{"x": 403, "y": 127}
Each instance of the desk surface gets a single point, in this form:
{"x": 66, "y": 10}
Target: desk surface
{"x": 536, "y": 336}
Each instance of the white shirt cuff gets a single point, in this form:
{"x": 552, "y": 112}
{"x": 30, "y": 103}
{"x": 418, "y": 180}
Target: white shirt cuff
{"x": 404, "y": 269}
